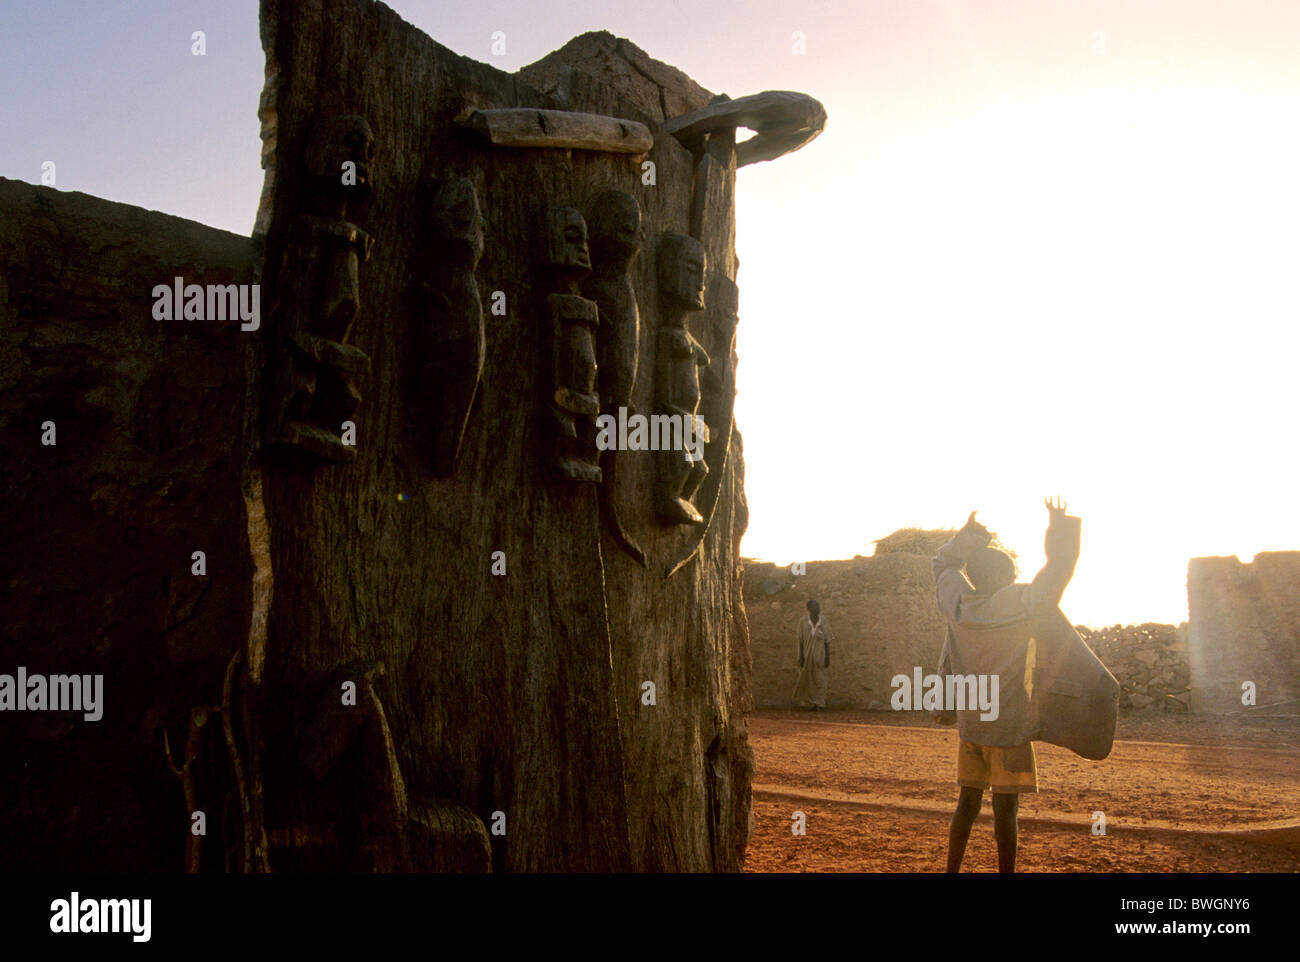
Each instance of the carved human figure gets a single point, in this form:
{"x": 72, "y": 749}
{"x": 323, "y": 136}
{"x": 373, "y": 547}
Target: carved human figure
{"x": 615, "y": 242}
{"x": 387, "y": 827}
{"x": 454, "y": 350}
{"x": 569, "y": 257}
{"x": 575, "y": 402}
{"x": 719, "y": 391}
{"x": 681, "y": 263}
{"x": 321, "y": 293}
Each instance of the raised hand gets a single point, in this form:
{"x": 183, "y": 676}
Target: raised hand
{"x": 1055, "y": 512}
{"x": 977, "y": 529}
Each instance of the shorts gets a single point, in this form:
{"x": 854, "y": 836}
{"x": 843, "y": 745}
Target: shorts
{"x": 1006, "y": 770}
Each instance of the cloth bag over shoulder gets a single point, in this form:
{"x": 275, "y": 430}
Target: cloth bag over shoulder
{"x": 1074, "y": 699}
{"x": 1052, "y": 687}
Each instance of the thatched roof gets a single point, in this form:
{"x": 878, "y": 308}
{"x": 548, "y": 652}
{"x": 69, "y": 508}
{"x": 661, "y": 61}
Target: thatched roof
{"x": 925, "y": 541}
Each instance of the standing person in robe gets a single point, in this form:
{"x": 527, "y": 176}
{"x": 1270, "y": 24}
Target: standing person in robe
{"x": 814, "y": 651}
{"x": 992, "y": 623}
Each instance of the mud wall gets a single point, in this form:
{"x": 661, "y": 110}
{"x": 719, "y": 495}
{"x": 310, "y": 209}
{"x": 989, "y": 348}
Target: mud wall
{"x": 882, "y": 612}
{"x": 1245, "y": 627}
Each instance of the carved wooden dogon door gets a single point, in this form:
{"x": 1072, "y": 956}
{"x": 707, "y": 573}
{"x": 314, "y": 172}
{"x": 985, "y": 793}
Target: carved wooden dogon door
{"x": 549, "y": 636}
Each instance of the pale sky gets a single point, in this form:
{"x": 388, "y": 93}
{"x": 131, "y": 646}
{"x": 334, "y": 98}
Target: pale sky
{"x": 1042, "y": 247}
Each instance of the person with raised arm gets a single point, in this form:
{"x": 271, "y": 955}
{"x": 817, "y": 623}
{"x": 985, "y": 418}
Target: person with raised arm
{"x": 992, "y": 623}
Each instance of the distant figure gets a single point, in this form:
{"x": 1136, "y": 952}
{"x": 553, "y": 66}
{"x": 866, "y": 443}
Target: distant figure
{"x": 991, "y": 627}
{"x": 814, "y": 649}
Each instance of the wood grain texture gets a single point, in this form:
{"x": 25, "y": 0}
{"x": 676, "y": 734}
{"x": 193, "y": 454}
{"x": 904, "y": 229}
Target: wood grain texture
{"x": 518, "y": 693}
{"x": 509, "y": 127}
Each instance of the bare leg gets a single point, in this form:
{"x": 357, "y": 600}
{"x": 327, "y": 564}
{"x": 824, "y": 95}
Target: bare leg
{"x": 1005, "y": 807}
{"x": 697, "y": 473}
{"x": 968, "y": 809}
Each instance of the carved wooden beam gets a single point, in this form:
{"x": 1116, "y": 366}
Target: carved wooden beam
{"x": 529, "y": 127}
{"x": 782, "y": 121}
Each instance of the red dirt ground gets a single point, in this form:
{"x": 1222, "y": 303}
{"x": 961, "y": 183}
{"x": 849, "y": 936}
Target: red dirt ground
{"x": 1180, "y": 793}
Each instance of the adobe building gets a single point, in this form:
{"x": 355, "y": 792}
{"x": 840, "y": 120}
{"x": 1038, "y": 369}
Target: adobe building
{"x": 1245, "y": 627}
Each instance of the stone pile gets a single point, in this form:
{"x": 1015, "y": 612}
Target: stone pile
{"x": 1150, "y": 662}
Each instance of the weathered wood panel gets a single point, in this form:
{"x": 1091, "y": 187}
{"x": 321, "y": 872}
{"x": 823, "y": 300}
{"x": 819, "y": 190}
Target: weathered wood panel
{"x": 519, "y": 693}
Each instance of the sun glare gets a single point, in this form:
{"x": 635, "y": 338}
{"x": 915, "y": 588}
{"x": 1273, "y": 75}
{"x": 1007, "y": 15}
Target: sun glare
{"x": 1088, "y": 294}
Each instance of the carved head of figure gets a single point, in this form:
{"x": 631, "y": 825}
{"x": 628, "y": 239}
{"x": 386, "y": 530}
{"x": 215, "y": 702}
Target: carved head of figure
{"x": 681, "y": 263}
{"x": 458, "y": 222}
{"x": 337, "y": 142}
{"x": 724, "y": 295}
{"x": 568, "y": 242}
{"x": 615, "y": 229}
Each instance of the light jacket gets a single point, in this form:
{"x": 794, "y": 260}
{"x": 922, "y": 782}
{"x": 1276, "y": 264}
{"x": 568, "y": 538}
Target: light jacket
{"x": 1051, "y": 687}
